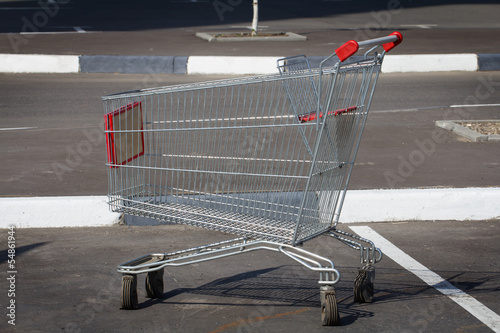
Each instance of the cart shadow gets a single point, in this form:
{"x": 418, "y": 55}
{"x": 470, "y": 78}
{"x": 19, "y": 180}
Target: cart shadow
{"x": 399, "y": 285}
{"x": 20, "y": 250}
{"x": 280, "y": 286}
{"x": 289, "y": 285}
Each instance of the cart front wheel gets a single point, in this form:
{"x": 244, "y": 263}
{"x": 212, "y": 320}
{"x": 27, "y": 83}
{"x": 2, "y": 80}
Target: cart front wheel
{"x": 329, "y": 311}
{"x": 129, "y": 292}
{"x": 363, "y": 284}
{"x": 154, "y": 284}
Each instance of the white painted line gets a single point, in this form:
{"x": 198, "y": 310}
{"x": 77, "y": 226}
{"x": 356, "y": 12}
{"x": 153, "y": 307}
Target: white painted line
{"x": 472, "y": 105}
{"x": 57, "y": 32}
{"x": 56, "y": 212}
{"x": 430, "y": 63}
{"x": 249, "y": 27}
{"x": 421, "y": 26}
{"x": 470, "y": 304}
{"x": 408, "y": 110}
{"x": 37, "y": 63}
{"x": 80, "y": 30}
{"x": 16, "y": 128}
{"x": 19, "y": 8}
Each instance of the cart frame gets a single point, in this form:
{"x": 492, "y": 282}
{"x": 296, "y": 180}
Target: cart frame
{"x": 329, "y": 137}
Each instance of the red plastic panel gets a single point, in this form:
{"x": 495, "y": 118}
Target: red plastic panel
{"x": 123, "y": 147}
{"x": 304, "y": 118}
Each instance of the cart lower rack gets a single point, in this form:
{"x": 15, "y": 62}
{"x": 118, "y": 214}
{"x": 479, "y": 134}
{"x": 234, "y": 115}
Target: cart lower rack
{"x": 265, "y": 158}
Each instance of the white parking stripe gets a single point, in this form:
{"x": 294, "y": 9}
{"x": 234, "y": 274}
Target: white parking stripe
{"x": 473, "y": 306}
{"x": 16, "y": 128}
{"x": 472, "y": 105}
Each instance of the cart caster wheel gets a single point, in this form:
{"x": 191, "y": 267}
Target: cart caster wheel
{"x": 154, "y": 284}
{"x": 363, "y": 284}
{"x": 129, "y": 292}
{"x": 329, "y": 310}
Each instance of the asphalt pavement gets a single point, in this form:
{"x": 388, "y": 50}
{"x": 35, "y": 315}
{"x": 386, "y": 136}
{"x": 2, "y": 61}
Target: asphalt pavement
{"x": 54, "y": 143}
{"x": 65, "y": 278}
{"x": 65, "y": 281}
{"x": 168, "y": 27}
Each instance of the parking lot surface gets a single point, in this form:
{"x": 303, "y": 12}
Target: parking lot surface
{"x": 66, "y": 282}
{"x": 435, "y": 276}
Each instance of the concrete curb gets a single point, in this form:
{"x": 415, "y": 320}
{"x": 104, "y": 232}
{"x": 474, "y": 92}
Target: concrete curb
{"x": 445, "y": 204}
{"x": 458, "y": 128}
{"x": 38, "y": 63}
{"x": 232, "y": 65}
{"x": 56, "y": 212}
{"x": 34, "y": 63}
{"x": 430, "y": 63}
{"x": 359, "y": 206}
{"x": 133, "y": 64}
{"x": 461, "y": 130}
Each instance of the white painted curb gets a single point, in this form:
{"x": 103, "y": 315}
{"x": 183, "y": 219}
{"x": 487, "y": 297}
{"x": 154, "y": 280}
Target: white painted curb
{"x": 430, "y": 63}
{"x": 360, "y": 206}
{"x": 421, "y": 204}
{"x": 39, "y": 63}
{"x": 241, "y": 65}
{"x": 231, "y": 65}
{"x": 54, "y": 212}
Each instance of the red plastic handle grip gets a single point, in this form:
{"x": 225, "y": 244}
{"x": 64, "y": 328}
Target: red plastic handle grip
{"x": 347, "y": 50}
{"x": 389, "y": 46}
{"x": 351, "y": 47}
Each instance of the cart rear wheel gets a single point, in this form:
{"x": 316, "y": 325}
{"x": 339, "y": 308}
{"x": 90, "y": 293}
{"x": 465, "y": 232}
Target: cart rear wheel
{"x": 129, "y": 292}
{"x": 154, "y": 284}
{"x": 329, "y": 311}
{"x": 363, "y": 284}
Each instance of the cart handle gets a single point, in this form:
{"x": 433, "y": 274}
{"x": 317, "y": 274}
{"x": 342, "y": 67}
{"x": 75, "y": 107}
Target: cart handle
{"x": 351, "y": 47}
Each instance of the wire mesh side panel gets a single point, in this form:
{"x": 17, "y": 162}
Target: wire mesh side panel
{"x": 349, "y": 96}
{"x": 227, "y": 156}
{"x": 239, "y": 156}
{"x": 124, "y": 127}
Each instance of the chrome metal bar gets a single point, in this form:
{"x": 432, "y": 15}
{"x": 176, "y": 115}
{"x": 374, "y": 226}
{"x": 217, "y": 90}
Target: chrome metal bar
{"x": 153, "y": 262}
{"x": 368, "y": 254}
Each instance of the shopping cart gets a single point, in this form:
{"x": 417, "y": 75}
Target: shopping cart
{"x": 266, "y": 158}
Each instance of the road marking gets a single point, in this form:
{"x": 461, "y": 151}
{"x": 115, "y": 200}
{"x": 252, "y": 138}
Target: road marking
{"x": 16, "y": 128}
{"x": 79, "y": 29}
{"x": 421, "y": 26}
{"x": 56, "y": 32}
{"x": 472, "y": 105}
{"x": 433, "y": 107}
{"x": 19, "y": 8}
{"x": 72, "y": 30}
{"x": 408, "y": 110}
{"x": 249, "y": 27}
{"x": 470, "y": 304}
